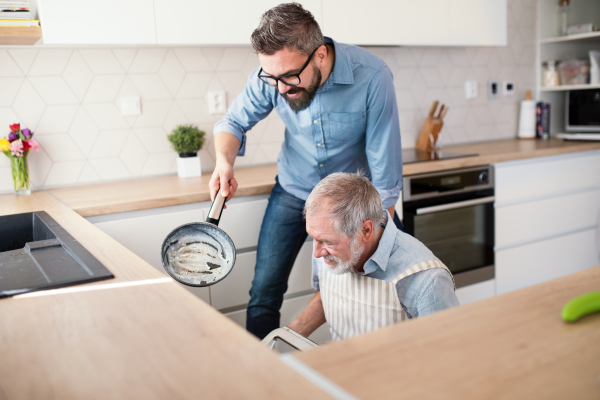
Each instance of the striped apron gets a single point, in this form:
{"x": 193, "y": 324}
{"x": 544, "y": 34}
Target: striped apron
{"x": 356, "y": 304}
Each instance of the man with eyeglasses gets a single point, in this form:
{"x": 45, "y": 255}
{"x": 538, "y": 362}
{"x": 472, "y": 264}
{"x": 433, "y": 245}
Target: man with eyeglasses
{"x": 339, "y": 108}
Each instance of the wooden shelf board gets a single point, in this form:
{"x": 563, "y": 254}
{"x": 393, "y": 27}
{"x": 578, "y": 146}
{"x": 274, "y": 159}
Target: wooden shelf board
{"x": 19, "y": 35}
{"x": 569, "y": 38}
{"x": 569, "y": 87}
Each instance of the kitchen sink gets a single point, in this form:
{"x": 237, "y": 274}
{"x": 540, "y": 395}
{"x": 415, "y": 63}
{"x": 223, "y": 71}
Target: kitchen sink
{"x": 36, "y": 253}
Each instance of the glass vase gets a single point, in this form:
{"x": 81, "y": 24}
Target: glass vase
{"x": 20, "y": 174}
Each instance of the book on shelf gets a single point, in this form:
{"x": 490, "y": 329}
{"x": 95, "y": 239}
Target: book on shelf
{"x": 20, "y": 22}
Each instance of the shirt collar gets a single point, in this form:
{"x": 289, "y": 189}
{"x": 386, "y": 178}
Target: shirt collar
{"x": 342, "y": 70}
{"x": 380, "y": 258}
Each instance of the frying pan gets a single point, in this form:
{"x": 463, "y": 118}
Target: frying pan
{"x": 199, "y": 253}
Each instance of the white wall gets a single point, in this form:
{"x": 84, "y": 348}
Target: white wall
{"x": 70, "y": 96}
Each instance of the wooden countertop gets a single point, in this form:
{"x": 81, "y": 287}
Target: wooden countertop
{"x": 512, "y": 346}
{"x": 138, "y": 336}
{"x": 139, "y": 194}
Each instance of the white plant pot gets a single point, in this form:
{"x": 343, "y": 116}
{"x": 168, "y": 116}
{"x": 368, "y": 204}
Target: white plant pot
{"x": 188, "y": 167}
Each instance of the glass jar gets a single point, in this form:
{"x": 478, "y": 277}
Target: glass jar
{"x": 550, "y": 75}
{"x": 563, "y": 17}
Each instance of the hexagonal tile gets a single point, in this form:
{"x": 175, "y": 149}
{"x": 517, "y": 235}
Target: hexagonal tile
{"x": 196, "y": 111}
{"x": 194, "y": 85}
{"x": 106, "y": 116}
{"x": 234, "y": 83}
{"x": 28, "y": 105}
{"x": 150, "y": 86}
{"x": 494, "y": 64}
{"x": 50, "y": 62}
{"x": 147, "y": 61}
{"x": 78, "y": 75}
{"x": 213, "y": 55}
{"x": 6, "y": 182}
{"x": 64, "y": 173}
{"x": 56, "y": 119}
{"x": 403, "y": 77}
{"x": 7, "y": 118}
{"x": 83, "y": 131}
{"x": 430, "y": 57}
{"x": 403, "y": 57}
{"x": 109, "y": 143}
{"x": 88, "y": 175}
{"x": 471, "y": 126}
{"x": 134, "y": 155}
{"x": 10, "y": 88}
{"x": 174, "y": 117}
{"x": 125, "y": 57}
{"x": 54, "y": 90}
{"x": 274, "y": 132}
{"x": 159, "y": 164}
{"x": 193, "y": 59}
{"x": 9, "y": 66}
{"x": 110, "y": 168}
{"x": 405, "y": 100}
{"x": 386, "y": 55}
{"x": 458, "y": 76}
{"x": 39, "y": 166}
{"x": 458, "y": 56}
{"x": 154, "y": 139}
{"x": 432, "y": 77}
{"x": 250, "y": 65}
{"x": 232, "y": 58}
{"x": 104, "y": 88}
{"x": 154, "y": 113}
{"x": 172, "y": 73}
{"x": 102, "y": 61}
{"x": 23, "y": 57}
{"x": 430, "y": 96}
{"x": 456, "y": 116}
{"x": 417, "y": 88}
{"x": 60, "y": 147}
{"x": 127, "y": 89}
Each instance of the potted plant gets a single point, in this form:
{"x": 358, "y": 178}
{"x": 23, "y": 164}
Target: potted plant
{"x": 187, "y": 140}
{"x": 16, "y": 147}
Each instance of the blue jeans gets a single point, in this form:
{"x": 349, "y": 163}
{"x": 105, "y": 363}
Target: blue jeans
{"x": 282, "y": 234}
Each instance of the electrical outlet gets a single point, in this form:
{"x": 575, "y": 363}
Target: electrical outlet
{"x": 217, "y": 103}
{"x": 508, "y": 88}
{"x": 470, "y": 90}
{"x": 493, "y": 89}
{"x": 131, "y": 106}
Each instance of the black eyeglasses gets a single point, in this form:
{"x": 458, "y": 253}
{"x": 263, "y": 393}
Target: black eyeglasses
{"x": 288, "y": 79}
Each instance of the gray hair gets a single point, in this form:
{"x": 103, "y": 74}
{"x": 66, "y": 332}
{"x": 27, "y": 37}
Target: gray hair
{"x": 287, "y": 26}
{"x": 352, "y": 200}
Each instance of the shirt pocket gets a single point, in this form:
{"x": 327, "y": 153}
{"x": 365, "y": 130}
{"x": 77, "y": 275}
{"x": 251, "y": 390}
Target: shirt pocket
{"x": 348, "y": 127}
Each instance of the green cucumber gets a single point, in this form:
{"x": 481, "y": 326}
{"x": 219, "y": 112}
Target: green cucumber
{"x": 581, "y": 306}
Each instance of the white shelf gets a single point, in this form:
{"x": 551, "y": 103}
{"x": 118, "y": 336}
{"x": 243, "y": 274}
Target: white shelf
{"x": 569, "y": 38}
{"x": 569, "y": 87}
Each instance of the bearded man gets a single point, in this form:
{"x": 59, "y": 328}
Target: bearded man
{"x": 338, "y": 104}
{"x": 370, "y": 274}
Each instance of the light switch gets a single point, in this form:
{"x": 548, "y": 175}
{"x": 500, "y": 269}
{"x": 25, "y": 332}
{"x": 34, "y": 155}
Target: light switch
{"x": 470, "y": 90}
{"x": 217, "y": 103}
{"x": 130, "y": 106}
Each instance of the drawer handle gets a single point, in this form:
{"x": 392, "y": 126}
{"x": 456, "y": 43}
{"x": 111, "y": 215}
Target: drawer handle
{"x": 452, "y": 206}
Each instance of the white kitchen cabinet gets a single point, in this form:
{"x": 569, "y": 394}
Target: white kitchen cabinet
{"x": 98, "y": 22}
{"x": 546, "y": 214}
{"x": 416, "y": 23}
{"x": 214, "y": 22}
{"x": 476, "y": 292}
{"x": 143, "y": 232}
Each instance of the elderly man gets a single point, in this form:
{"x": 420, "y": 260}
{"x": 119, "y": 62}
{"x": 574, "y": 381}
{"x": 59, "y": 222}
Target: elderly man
{"x": 338, "y": 104}
{"x": 370, "y": 274}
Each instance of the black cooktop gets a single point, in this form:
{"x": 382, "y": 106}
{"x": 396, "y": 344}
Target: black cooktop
{"x": 411, "y": 156}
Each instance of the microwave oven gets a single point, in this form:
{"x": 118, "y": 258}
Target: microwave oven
{"x": 582, "y": 111}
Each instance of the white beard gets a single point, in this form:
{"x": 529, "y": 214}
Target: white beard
{"x": 342, "y": 267}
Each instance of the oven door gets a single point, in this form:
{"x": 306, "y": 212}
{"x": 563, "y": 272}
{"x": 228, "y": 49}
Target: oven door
{"x": 459, "y": 230}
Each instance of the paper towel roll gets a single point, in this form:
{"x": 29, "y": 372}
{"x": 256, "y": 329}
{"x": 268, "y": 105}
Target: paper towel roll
{"x": 527, "y": 120}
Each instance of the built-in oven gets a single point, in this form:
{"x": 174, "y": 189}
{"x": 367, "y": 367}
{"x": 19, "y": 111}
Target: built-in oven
{"x": 452, "y": 213}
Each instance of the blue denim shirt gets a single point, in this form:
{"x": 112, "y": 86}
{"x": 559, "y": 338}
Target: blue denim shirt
{"x": 351, "y": 124}
{"x": 420, "y": 294}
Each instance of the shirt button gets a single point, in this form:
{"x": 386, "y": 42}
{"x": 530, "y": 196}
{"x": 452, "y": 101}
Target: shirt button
{"x": 318, "y": 144}
{"x": 315, "y": 121}
{"x": 321, "y": 165}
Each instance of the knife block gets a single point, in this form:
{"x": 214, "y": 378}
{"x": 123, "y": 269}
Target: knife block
{"x": 431, "y": 128}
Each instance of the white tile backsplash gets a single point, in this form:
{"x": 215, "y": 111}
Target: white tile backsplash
{"x": 70, "y": 97}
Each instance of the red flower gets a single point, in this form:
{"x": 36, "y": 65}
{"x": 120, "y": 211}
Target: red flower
{"x": 26, "y": 145}
{"x": 15, "y": 127}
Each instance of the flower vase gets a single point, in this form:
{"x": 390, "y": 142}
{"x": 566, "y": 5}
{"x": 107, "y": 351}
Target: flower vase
{"x": 20, "y": 174}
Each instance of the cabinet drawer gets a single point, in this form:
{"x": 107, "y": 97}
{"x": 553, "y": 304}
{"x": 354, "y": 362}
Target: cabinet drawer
{"x": 523, "y": 222}
{"x": 476, "y": 292}
{"x": 235, "y": 288}
{"x": 242, "y": 221}
{"x": 546, "y": 176}
{"x": 301, "y": 276}
{"x": 526, "y": 265}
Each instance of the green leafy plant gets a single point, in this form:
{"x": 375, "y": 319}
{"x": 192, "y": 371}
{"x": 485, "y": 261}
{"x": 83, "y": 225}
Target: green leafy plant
{"x": 186, "y": 139}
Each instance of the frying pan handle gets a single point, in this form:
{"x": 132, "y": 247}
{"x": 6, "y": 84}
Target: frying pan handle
{"x": 214, "y": 214}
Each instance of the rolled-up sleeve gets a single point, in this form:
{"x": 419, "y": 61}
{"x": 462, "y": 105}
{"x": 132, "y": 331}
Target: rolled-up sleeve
{"x": 438, "y": 294}
{"x": 383, "y": 144}
{"x": 248, "y": 108}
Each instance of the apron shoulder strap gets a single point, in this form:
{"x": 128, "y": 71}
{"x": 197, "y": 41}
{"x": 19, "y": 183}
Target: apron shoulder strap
{"x": 423, "y": 266}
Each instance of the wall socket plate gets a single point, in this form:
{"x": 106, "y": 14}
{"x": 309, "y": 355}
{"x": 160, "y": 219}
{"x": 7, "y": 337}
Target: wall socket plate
{"x": 470, "y": 90}
{"x": 217, "y": 103}
{"x": 508, "y": 88}
{"x": 131, "y": 106}
{"x": 493, "y": 89}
